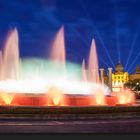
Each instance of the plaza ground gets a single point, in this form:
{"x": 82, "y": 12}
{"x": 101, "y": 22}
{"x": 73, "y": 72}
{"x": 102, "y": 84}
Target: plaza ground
{"x": 116, "y": 120}
{"x": 119, "y": 126}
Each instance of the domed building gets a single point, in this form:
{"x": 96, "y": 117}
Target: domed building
{"x": 136, "y": 75}
{"x": 119, "y": 78}
{"x": 119, "y": 68}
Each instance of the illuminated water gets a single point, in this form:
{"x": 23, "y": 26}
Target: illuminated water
{"x": 0, "y": 65}
{"x": 10, "y": 60}
{"x": 93, "y": 68}
{"x": 54, "y": 77}
{"x": 84, "y": 72}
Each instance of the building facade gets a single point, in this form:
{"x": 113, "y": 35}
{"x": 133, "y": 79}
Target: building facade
{"x": 120, "y": 77}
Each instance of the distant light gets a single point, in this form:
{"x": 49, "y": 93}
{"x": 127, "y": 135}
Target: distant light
{"x": 137, "y": 83}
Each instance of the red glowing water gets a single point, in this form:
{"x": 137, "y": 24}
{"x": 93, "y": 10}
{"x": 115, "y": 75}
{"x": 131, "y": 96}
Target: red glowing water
{"x": 125, "y": 96}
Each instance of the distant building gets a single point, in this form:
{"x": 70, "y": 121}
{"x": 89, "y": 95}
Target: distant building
{"x": 120, "y": 77}
{"x": 136, "y": 75}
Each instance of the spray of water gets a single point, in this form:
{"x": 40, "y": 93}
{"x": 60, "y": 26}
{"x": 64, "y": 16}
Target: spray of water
{"x": 55, "y": 77}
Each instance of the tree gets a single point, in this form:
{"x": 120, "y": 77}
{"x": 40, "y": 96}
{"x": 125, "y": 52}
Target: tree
{"x": 134, "y": 86}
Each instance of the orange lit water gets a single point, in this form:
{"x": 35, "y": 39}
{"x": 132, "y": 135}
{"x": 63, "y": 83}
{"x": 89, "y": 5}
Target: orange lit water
{"x": 7, "y": 98}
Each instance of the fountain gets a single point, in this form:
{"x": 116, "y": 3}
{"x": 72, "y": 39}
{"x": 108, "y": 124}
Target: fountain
{"x": 99, "y": 98}
{"x": 0, "y": 65}
{"x": 84, "y": 74}
{"x": 125, "y": 96}
{"x": 57, "y": 53}
{"x": 10, "y": 62}
{"x": 55, "y": 97}
{"x": 7, "y": 98}
{"x": 58, "y": 48}
{"x": 53, "y": 82}
{"x": 93, "y": 73}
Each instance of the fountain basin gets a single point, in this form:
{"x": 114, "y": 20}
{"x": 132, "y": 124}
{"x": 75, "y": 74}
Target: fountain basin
{"x": 68, "y": 100}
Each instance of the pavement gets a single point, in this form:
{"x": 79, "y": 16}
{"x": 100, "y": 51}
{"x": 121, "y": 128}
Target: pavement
{"x": 98, "y": 124}
{"x": 118, "y": 126}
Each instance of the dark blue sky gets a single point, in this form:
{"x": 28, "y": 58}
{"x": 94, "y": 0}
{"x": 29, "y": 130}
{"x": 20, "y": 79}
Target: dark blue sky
{"x": 115, "y": 24}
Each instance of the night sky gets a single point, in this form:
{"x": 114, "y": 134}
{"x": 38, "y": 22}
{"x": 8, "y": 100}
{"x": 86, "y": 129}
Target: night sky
{"x": 115, "y": 25}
